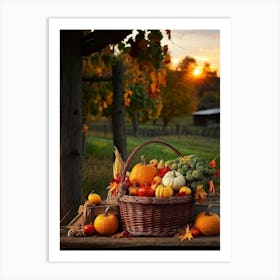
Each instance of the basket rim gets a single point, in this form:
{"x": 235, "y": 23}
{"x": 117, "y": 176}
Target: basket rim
{"x": 156, "y": 200}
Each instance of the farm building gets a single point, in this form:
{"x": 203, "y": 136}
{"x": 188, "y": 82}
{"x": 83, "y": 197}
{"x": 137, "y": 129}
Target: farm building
{"x": 206, "y": 117}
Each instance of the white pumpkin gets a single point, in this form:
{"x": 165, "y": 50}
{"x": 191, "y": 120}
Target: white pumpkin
{"x": 174, "y": 179}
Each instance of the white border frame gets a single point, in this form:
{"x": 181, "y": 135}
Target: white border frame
{"x": 55, "y": 25}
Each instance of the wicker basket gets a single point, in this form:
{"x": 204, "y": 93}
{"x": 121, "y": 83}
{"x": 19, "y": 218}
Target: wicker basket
{"x": 153, "y": 216}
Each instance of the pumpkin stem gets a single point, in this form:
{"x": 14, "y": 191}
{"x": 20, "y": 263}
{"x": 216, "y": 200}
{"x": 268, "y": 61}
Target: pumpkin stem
{"x": 143, "y": 160}
{"x": 107, "y": 210}
{"x": 174, "y": 173}
{"x": 207, "y": 212}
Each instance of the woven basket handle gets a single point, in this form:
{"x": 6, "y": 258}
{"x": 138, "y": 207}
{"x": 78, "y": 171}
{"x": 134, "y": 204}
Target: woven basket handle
{"x": 139, "y": 148}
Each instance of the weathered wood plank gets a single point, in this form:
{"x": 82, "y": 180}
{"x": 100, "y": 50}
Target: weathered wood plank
{"x": 70, "y": 122}
{"x": 164, "y": 243}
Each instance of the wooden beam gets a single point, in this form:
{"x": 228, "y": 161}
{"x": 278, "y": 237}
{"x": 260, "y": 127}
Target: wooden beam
{"x": 70, "y": 123}
{"x": 98, "y": 39}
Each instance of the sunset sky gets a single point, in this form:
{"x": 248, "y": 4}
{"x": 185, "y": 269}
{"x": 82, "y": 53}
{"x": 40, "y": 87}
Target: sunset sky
{"x": 203, "y": 45}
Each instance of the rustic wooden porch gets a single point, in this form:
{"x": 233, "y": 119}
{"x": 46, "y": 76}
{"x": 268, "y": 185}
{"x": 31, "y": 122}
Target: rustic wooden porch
{"x": 137, "y": 243}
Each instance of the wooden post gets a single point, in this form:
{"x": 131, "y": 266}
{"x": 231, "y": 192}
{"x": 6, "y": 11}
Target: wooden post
{"x": 118, "y": 112}
{"x": 70, "y": 123}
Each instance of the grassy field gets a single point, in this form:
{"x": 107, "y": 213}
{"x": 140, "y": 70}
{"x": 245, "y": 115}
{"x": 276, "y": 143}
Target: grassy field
{"x": 98, "y": 158}
{"x": 179, "y": 126}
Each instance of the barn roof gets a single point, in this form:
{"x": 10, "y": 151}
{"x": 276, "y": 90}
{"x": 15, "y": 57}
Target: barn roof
{"x": 207, "y": 112}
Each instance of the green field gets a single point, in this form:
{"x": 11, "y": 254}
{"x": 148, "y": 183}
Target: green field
{"x": 98, "y": 157}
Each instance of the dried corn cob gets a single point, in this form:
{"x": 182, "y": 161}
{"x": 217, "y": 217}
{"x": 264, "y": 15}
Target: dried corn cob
{"x": 118, "y": 164}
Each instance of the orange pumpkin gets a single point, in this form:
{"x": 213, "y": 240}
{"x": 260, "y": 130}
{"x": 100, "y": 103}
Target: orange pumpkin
{"x": 208, "y": 222}
{"x": 133, "y": 190}
{"x": 185, "y": 190}
{"x": 106, "y": 224}
{"x": 142, "y": 174}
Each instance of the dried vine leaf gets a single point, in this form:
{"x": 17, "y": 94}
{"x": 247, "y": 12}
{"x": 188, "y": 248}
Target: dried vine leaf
{"x": 186, "y": 234}
{"x": 122, "y": 234}
{"x": 200, "y": 194}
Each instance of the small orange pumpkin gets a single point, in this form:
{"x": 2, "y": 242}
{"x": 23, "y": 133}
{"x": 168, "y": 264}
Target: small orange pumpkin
{"x": 185, "y": 190}
{"x": 133, "y": 190}
{"x": 208, "y": 222}
{"x": 142, "y": 174}
{"x": 106, "y": 224}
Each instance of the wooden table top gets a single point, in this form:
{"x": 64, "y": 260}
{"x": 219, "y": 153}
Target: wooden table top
{"x": 137, "y": 243}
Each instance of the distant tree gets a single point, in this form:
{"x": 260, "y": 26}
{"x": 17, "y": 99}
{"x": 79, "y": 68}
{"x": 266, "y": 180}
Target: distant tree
{"x": 206, "y": 84}
{"x": 207, "y": 71}
{"x": 207, "y": 81}
{"x": 210, "y": 99}
{"x": 178, "y": 97}
{"x": 187, "y": 66}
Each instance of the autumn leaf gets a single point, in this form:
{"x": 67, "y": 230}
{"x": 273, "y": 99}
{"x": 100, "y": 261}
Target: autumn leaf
{"x": 122, "y": 234}
{"x": 186, "y": 234}
{"x": 85, "y": 128}
{"x": 165, "y": 49}
{"x": 200, "y": 194}
{"x": 211, "y": 186}
{"x": 168, "y": 32}
{"x": 167, "y": 58}
{"x": 213, "y": 163}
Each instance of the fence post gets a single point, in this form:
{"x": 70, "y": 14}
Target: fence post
{"x": 118, "y": 113}
{"x": 177, "y": 129}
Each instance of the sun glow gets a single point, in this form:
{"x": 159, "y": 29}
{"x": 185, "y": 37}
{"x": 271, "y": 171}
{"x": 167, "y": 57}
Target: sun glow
{"x": 197, "y": 72}
{"x": 174, "y": 62}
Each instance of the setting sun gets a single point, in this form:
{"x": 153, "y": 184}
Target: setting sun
{"x": 197, "y": 72}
